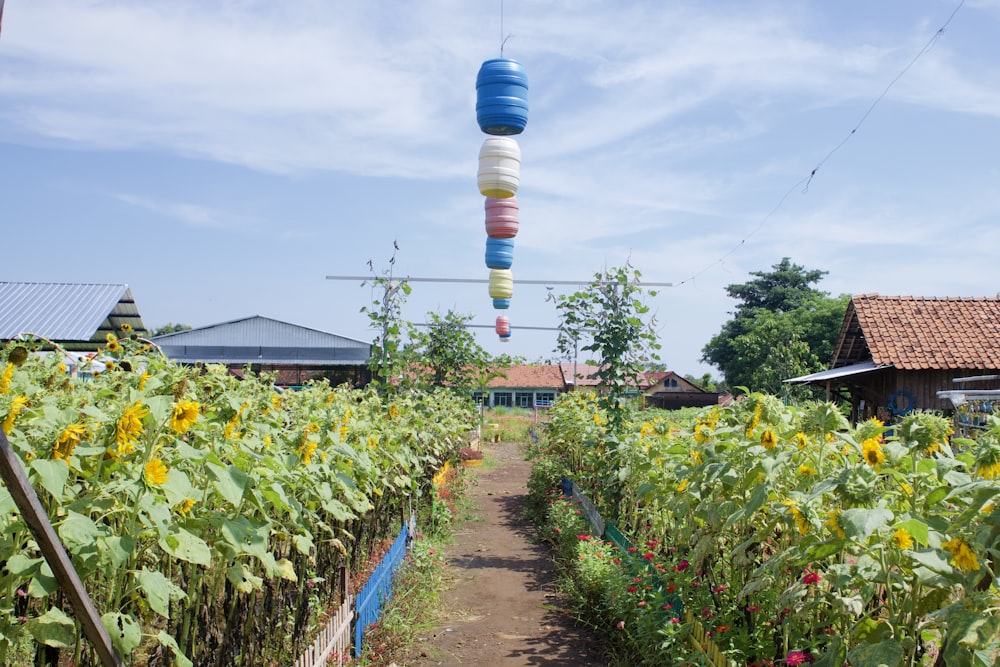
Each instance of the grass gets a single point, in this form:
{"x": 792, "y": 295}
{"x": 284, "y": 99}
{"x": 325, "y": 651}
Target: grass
{"x": 415, "y": 606}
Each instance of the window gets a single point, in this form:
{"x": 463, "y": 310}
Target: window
{"x": 478, "y": 397}
{"x": 525, "y": 399}
{"x": 545, "y": 398}
{"x": 503, "y": 399}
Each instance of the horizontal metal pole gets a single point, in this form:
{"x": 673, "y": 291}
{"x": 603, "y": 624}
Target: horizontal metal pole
{"x": 484, "y": 281}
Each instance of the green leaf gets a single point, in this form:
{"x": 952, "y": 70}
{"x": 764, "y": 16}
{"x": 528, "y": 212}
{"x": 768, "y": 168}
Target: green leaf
{"x": 303, "y": 543}
{"x": 179, "y": 543}
{"x": 78, "y": 532}
{"x": 126, "y": 634}
{"x": 230, "y": 482}
{"x": 53, "y": 628}
{"x": 177, "y": 488}
{"x": 159, "y": 591}
{"x": 21, "y": 565}
{"x": 936, "y": 496}
{"x": 887, "y": 653}
{"x": 835, "y": 654}
{"x": 180, "y": 660}
{"x": 971, "y": 629}
{"x": 932, "y": 560}
{"x": 52, "y": 475}
{"x": 859, "y": 523}
{"x": 116, "y": 550}
{"x": 916, "y": 528}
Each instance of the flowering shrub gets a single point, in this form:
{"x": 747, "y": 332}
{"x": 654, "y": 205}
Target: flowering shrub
{"x": 194, "y": 504}
{"x": 794, "y": 537}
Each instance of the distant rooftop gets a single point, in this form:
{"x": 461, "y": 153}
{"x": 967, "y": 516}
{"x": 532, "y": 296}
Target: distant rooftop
{"x": 66, "y": 312}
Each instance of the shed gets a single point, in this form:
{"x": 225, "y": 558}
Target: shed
{"x": 296, "y": 353}
{"x": 894, "y": 353}
{"x": 76, "y": 316}
{"x": 670, "y": 391}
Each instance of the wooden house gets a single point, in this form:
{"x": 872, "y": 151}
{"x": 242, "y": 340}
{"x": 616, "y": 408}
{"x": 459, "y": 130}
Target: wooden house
{"x": 895, "y": 353}
{"x": 670, "y": 391}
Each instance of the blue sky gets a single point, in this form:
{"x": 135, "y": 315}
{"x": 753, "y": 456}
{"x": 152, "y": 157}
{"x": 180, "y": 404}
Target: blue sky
{"x": 223, "y": 157}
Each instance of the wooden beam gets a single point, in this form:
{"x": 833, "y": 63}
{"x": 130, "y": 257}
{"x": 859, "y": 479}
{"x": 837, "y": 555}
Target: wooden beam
{"x": 38, "y": 522}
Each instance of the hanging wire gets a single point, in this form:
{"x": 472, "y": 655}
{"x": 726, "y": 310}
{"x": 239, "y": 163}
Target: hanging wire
{"x": 804, "y": 182}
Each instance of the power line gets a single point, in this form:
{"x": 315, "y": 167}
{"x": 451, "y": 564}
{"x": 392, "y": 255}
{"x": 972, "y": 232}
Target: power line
{"x": 804, "y": 182}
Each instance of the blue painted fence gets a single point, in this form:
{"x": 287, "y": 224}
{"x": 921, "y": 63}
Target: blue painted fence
{"x": 378, "y": 591}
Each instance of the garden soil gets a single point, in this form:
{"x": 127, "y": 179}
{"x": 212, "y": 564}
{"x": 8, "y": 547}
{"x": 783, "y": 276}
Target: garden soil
{"x": 502, "y": 607}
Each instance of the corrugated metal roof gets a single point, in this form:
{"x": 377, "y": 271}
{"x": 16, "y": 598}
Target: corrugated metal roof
{"x": 66, "y": 311}
{"x": 261, "y": 340}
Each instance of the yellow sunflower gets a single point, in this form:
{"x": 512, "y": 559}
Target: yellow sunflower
{"x": 184, "y": 416}
{"x": 129, "y": 428}
{"x": 872, "y": 452}
{"x": 67, "y": 441}
{"x": 155, "y": 472}
{"x": 768, "y": 439}
{"x": 6, "y": 377}
{"x": 962, "y": 555}
{"x": 902, "y": 539}
{"x": 16, "y": 406}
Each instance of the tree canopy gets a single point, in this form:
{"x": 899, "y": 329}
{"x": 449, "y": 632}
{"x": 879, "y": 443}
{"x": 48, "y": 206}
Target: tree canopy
{"x": 782, "y": 327}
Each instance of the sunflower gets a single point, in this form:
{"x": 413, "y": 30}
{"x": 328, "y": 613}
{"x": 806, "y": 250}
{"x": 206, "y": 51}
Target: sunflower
{"x": 833, "y": 523}
{"x": 702, "y": 433}
{"x": 125, "y": 328}
{"x": 801, "y": 441}
{"x": 16, "y": 406}
{"x": 768, "y": 439}
{"x": 184, "y": 416}
{"x": 129, "y": 427}
{"x": 987, "y": 464}
{"x": 5, "y": 378}
{"x": 872, "y": 452}
{"x": 806, "y": 471}
{"x": 962, "y": 555}
{"x": 71, "y": 436}
{"x": 801, "y": 523}
{"x": 902, "y": 539}
{"x": 184, "y": 506}
{"x": 155, "y": 472}
{"x": 306, "y": 451}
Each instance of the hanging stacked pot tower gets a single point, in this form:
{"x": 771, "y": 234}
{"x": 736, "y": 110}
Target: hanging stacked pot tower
{"x": 502, "y": 111}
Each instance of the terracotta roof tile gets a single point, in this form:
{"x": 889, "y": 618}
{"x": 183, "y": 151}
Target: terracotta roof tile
{"x": 914, "y": 333}
{"x": 534, "y": 377}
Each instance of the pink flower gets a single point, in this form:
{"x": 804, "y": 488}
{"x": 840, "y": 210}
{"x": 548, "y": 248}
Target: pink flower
{"x": 719, "y": 589}
{"x": 752, "y": 608}
{"x": 584, "y": 538}
{"x": 810, "y": 578}
{"x": 795, "y": 658}
{"x": 675, "y": 620}
{"x": 642, "y": 603}
{"x": 620, "y": 625}
{"x": 683, "y": 565}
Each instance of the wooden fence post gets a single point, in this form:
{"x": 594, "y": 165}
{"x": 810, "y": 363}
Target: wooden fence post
{"x": 48, "y": 543}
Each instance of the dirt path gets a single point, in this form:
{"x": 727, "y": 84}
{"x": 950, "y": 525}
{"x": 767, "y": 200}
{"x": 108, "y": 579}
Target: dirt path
{"x": 502, "y": 608}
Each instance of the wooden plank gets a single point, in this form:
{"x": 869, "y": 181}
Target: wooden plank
{"x": 38, "y": 522}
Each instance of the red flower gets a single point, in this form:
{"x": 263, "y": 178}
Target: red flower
{"x": 675, "y": 620}
{"x": 649, "y": 555}
{"x": 719, "y": 589}
{"x": 752, "y": 608}
{"x": 584, "y": 538}
{"x": 810, "y": 578}
{"x": 633, "y": 589}
{"x": 795, "y": 658}
{"x": 631, "y": 550}
{"x": 671, "y": 588}
{"x": 722, "y": 628}
{"x": 683, "y": 565}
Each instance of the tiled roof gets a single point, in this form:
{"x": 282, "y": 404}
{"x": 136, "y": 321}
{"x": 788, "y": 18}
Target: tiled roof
{"x": 586, "y": 376}
{"x": 534, "y": 377}
{"x": 915, "y": 333}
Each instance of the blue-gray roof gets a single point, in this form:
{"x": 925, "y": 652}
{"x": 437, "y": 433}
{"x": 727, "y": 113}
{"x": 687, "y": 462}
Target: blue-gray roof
{"x": 261, "y": 340}
{"x": 66, "y": 311}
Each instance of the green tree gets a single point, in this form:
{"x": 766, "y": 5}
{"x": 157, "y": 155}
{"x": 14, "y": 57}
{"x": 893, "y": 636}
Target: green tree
{"x": 170, "y": 327}
{"x": 446, "y": 354}
{"x": 782, "y": 327}
{"x": 607, "y": 319}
